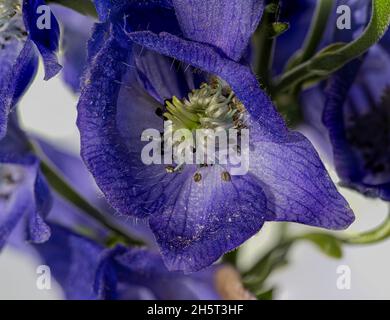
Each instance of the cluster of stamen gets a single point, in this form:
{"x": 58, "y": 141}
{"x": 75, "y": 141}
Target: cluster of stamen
{"x": 213, "y": 106}
{"x": 11, "y": 22}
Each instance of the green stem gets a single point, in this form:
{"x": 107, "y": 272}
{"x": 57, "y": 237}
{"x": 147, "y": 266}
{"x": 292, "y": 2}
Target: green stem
{"x": 317, "y": 28}
{"x": 276, "y": 257}
{"x": 85, "y": 7}
{"x": 380, "y": 233}
{"x": 62, "y": 187}
{"x": 336, "y": 56}
{"x": 264, "y": 42}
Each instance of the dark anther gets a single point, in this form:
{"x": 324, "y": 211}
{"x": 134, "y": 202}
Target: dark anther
{"x": 197, "y": 177}
{"x": 170, "y": 169}
{"x": 159, "y": 112}
{"x": 225, "y": 176}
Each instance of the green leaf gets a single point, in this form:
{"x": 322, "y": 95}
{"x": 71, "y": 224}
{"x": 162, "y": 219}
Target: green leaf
{"x": 273, "y": 260}
{"x": 265, "y": 295}
{"x": 328, "y": 244}
{"x": 336, "y": 56}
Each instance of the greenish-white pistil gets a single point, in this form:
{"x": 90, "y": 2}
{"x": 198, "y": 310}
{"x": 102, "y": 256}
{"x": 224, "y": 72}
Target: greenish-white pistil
{"x": 212, "y": 107}
{"x": 11, "y": 22}
{"x": 10, "y": 177}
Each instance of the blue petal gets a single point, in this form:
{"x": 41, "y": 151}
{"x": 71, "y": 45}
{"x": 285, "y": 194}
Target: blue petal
{"x": 13, "y": 211}
{"x": 353, "y": 93}
{"x": 75, "y": 34}
{"x": 161, "y": 78}
{"x": 297, "y": 185}
{"x": 140, "y": 274}
{"x": 104, "y": 8}
{"x": 345, "y": 160}
{"x": 132, "y": 15}
{"x": 14, "y": 145}
{"x": 98, "y": 37}
{"x": 73, "y": 261}
{"x": 29, "y": 196}
{"x": 203, "y": 220}
{"x": 19, "y": 203}
{"x": 16, "y": 76}
{"x": 85, "y": 271}
{"x": 46, "y": 40}
{"x": 227, "y": 24}
{"x": 38, "y": 230}
{"x": 95, "y": 113}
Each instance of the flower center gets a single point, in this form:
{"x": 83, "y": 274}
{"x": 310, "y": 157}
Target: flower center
{"x": 213, "y": 106}
{"x": 10, "y": 177}
{"x": 370, "y": 134}
{"x": 11, "y": 22}
{"x": 213, "y": 110}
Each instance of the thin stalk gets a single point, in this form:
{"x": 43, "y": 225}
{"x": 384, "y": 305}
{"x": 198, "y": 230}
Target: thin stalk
{"x": 278, "y": 254}
{"x": 378, "y": 234}
{"x": 264, "y": 42}
{"x": 317, "y": 29}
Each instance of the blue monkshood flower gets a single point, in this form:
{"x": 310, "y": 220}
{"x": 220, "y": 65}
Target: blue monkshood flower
{"x": 24, "y": 195}
{"x": 21, "y": 39}
{"x": 357, "y": 116}
{"x": 354, "y": 111}
{"x": 86, "y": 270}
{"x": 197, "y": 213}
{"x": 313, "y": 99}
